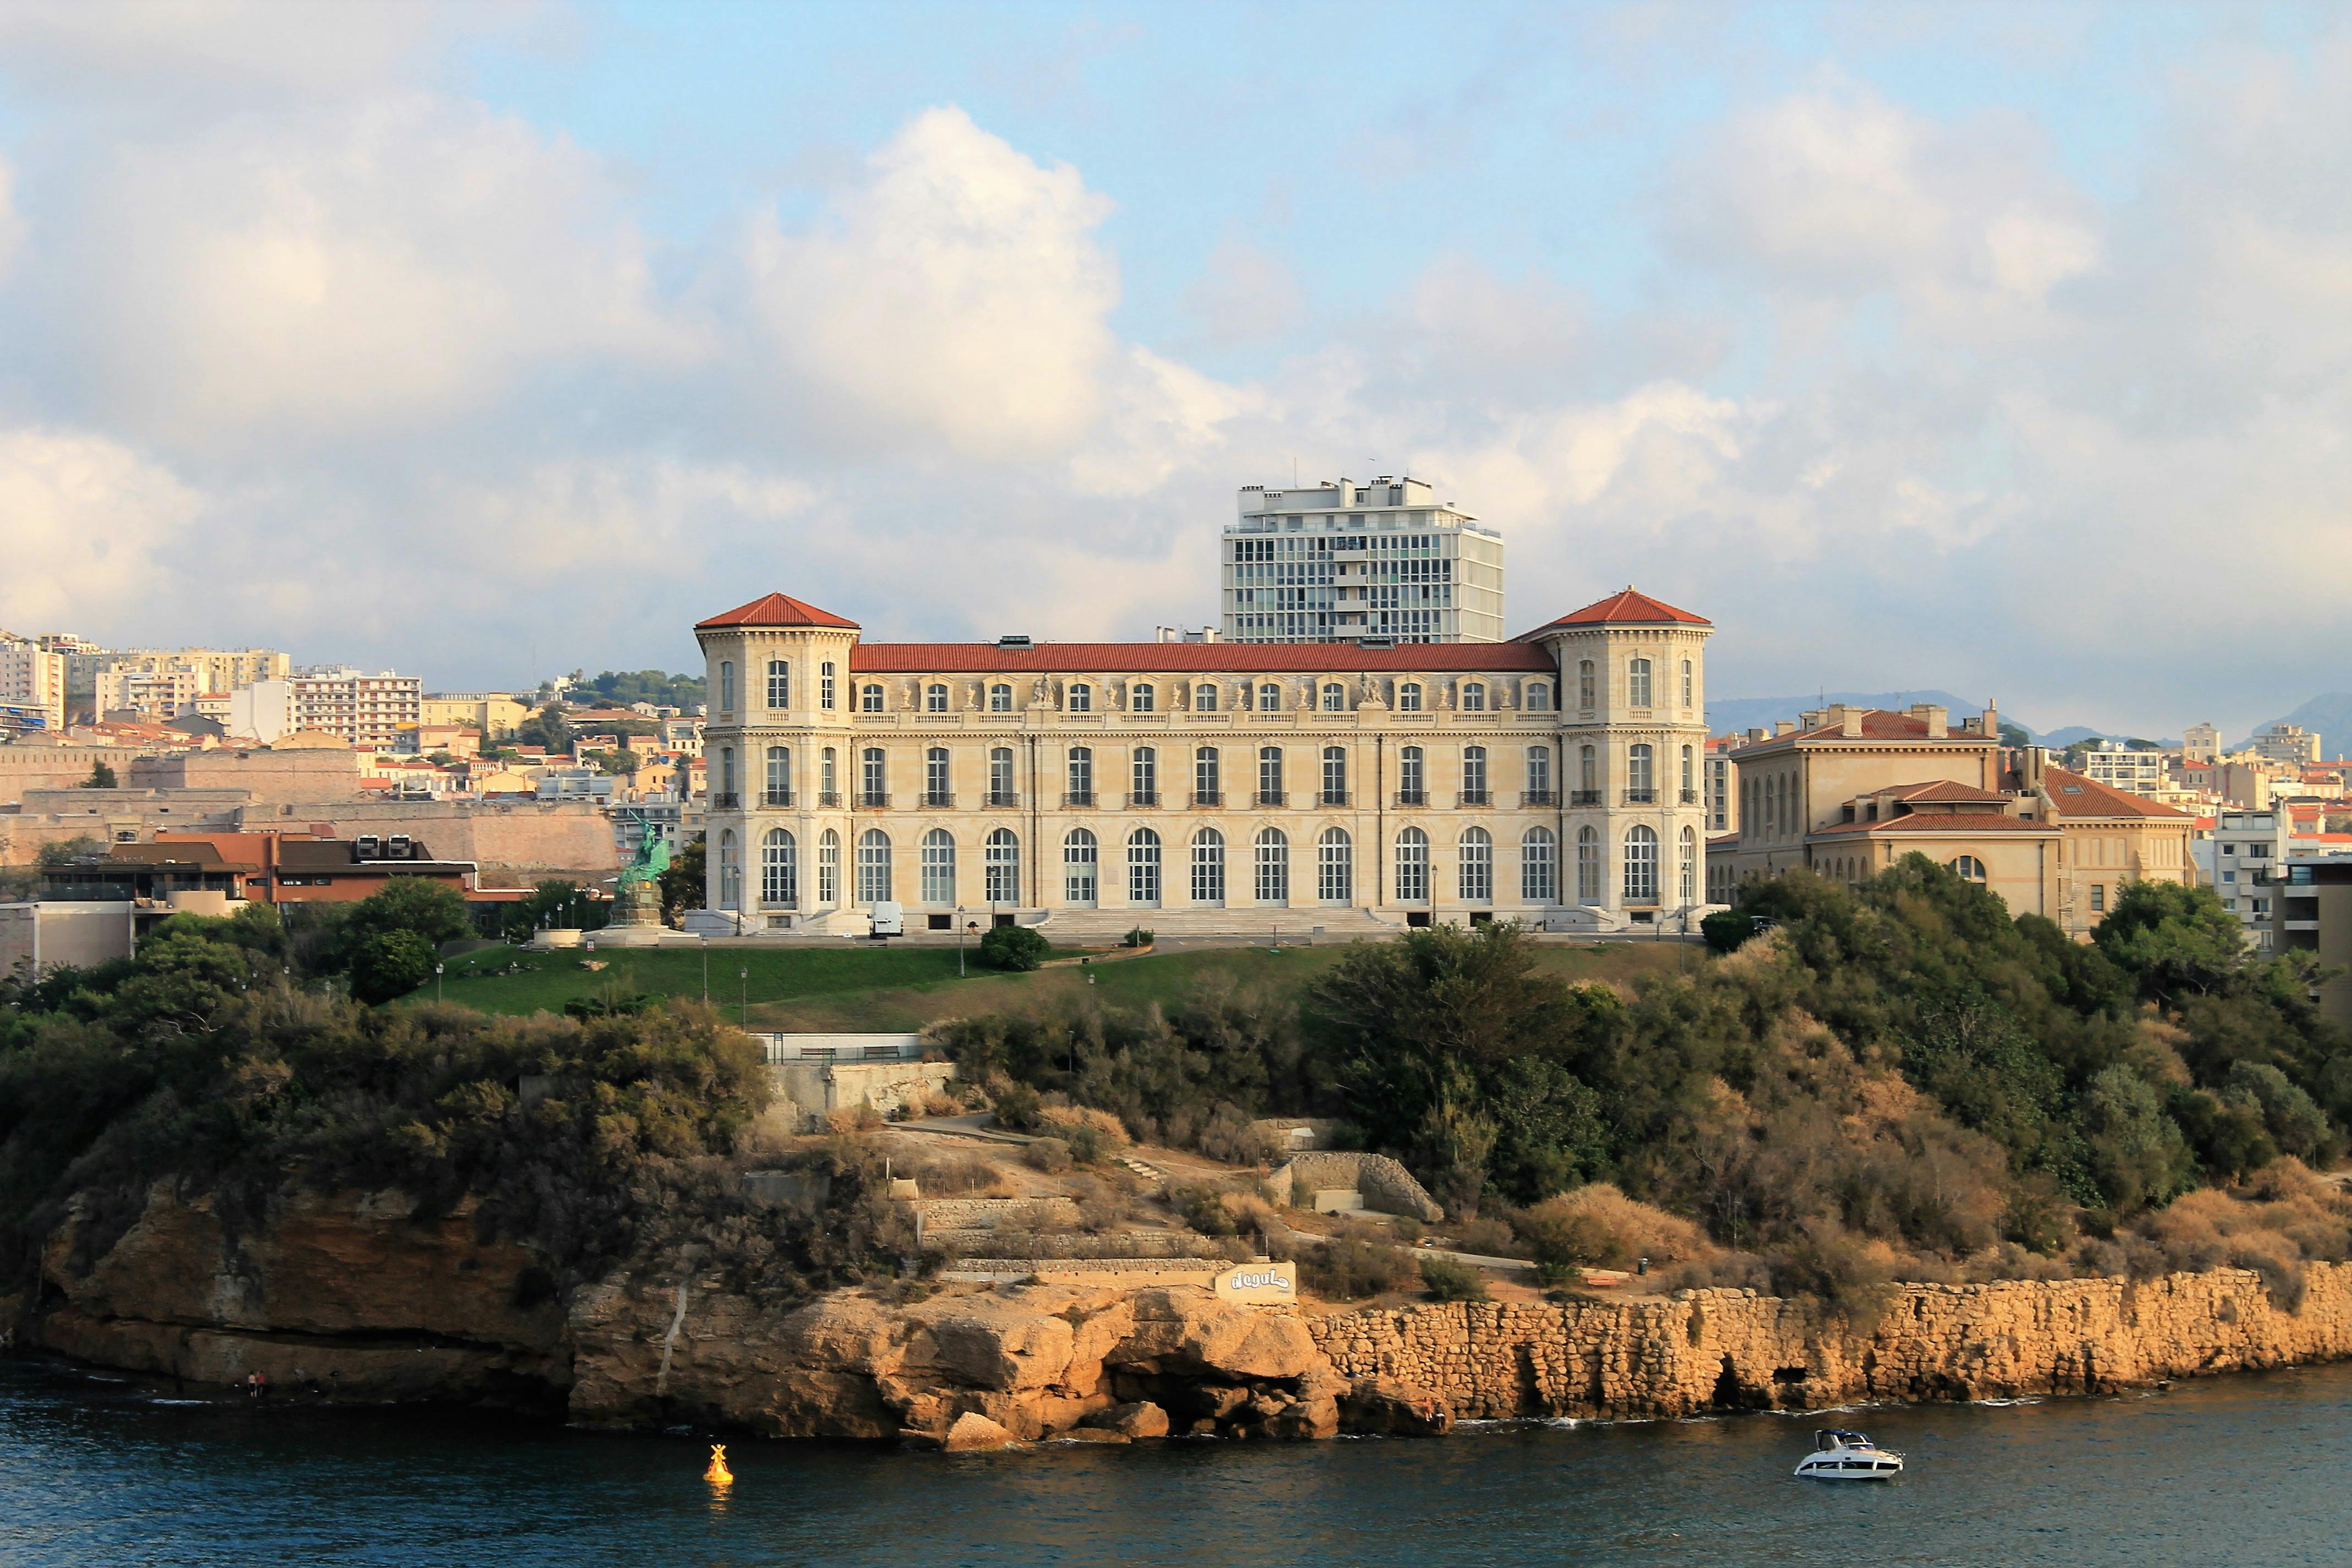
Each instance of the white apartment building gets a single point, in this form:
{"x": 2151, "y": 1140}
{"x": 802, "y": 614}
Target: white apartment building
{"x": 2286, "y": 743}
{"x": 1339, "y": 560}
{"x": 32, "y": 686}
{"x": 2247, "y": 847}
{"x": 350, "y": 704}
{"x": 2118, "y": 766}
{"x": 157, "y": 693}
{"x": 1722, "y": 786}
{"x": 2200, "y": 743}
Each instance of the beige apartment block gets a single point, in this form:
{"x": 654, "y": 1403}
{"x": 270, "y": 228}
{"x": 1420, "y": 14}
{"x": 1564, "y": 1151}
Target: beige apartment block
{"x": 1207, "y": 787}
{"x": 32, "y": 687}
{"x": 494, "y": 714}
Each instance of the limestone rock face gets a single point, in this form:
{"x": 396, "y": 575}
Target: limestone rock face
{"x": 1399, "y": 1409}
{"x": 1183, "y": 1329}
{"x": 1140, "y": 1419}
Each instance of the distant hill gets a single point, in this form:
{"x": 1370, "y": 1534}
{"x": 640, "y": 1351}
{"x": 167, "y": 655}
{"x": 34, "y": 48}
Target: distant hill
{"x": 1735, "y": 714}
{"x": 2330, "y": 715}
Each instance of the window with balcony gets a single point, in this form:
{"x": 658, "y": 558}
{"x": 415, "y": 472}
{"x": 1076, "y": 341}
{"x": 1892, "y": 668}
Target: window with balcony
{"x": 1539, "y": 792}
{"x": 1640, "y": 786}
{"x": 1335, "y": 698}
{"x": 1000, "y": 699}
{"x": 1473, "y": 775}
{"x": 1335, "y": 775}
{"x": 1141, "y": 699}
{"x": 779, "y": 776}
{"x": 828, "y": 786}
{"x": 1539, "y": 697}
{"x": 1269, "y": 697}
{"x": 936, "y": 787}
{"x": 1413, "y": 777}
{"x": 999, "y": 777}
{"x": 1205, "y": 777}
{"x": 1143, "y": 777}
{"x": 1269, "y": 775}
{"x": 934, "y": 699}
{"x": 873, "y": 777}
{"x": 869, "y": 699}
{"x": 1473, "y": 698}
{"x": 1081, "y": 774}
{"x": 1409, "y": 697}
{"x": 1205, "y": 700}
{"x": 1079, "y": 699}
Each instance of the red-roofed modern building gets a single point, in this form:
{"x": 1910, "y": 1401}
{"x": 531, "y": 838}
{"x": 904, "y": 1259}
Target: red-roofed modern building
{"x": 1206, "y": 786}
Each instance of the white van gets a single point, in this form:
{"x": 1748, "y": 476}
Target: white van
{"x": 890, "y": 918}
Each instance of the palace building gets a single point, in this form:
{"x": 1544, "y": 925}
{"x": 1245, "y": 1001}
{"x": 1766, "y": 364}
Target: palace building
{"x": 1197, "y": 787}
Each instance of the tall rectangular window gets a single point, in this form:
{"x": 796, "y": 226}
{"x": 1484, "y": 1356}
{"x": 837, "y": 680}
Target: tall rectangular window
{"x": 780, "y": 685}
{"x": 825, "y": 687}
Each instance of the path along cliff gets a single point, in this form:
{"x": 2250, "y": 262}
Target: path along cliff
{"x": 350, "y": 1297}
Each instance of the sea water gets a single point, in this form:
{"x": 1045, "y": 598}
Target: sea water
{"x": 2252, "y": 1469}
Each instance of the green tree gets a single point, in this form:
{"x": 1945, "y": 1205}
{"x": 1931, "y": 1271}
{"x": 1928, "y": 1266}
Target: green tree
{"x": 387, "y": 965}
{"x": 81, "y": 849}
{"x": 682, "y": 884}
{"x": 101, "y": 776}
{"x": 2175, "y": 940}
{"x": 1015, "y": 947}
{"x": 433, "y": 912}
{"x": 549, "y": 728}
{"x": 2137, "y": 1154}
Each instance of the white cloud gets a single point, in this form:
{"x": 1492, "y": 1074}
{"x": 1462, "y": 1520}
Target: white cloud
{"x": 12, "y": 227}
{"x": 331, "y": 272}
{"x": 957, "y": 294}
{"x": 1246, "y": 294}
{"x": 85, "y": 525}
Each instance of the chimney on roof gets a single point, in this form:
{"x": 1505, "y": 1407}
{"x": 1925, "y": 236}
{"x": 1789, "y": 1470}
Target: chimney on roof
{"x": 1937, "y": 719}
{"x": 1811, "y": 719}
{"x": 1849, "y": 719}
{"x": 1782, "y": 727}
{"x": 1992, "y": 719}
{"x": 1165, "y": 634}
{"x": 1755, "y": 736}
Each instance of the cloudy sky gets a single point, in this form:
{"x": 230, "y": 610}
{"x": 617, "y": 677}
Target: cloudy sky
{"x": 2003, "y": 349}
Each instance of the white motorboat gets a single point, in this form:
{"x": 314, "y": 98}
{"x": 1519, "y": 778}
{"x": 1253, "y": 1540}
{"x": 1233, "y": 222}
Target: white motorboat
{"x": 1841, "y": 1456}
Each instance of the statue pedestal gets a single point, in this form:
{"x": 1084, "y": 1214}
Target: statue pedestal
{"x": 636, "y": 916}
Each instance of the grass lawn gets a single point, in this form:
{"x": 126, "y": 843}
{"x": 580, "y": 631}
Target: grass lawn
{"x": 871, "y": 988}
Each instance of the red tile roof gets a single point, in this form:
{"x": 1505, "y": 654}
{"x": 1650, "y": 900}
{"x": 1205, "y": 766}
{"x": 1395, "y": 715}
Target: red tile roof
{"x": 1205, "y": 657}
{"x": 2074, "y": 796}
{"x": 1941, "y": 790}
{"x": 1937, "y": 822}
{"x": 1628, "y": 607}
{"x": 776, "y": 610}
{"x": 1881, "y": 724}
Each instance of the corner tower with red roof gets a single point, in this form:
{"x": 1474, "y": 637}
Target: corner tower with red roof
{"x": 1339, "y": 788}
{"x": 1632, "y": 681}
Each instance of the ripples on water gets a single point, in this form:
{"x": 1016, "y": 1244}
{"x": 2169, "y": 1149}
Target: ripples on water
{"x": 2237, "y": 1470}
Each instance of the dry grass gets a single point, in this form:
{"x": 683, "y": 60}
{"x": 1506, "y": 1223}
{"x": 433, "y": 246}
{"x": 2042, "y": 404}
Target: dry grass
{"x": 1623, "y": 1228}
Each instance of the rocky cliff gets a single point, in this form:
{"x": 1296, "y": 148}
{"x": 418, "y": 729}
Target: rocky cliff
{"x": 350, "y": 1296}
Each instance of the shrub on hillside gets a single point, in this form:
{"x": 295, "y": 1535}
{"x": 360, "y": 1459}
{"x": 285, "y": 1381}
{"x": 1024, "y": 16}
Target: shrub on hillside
{"x": 1050, "y": 1155}
{"x": 1447, "y": 1281}
{"x": 1015, "y": 947}
{"x": 1351, "y": 1267}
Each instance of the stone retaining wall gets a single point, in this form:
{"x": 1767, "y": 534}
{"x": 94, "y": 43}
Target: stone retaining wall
{"x": 1733, "y": 1348}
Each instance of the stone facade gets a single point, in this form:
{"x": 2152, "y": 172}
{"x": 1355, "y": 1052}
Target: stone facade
{"x": 1192, "y": 787}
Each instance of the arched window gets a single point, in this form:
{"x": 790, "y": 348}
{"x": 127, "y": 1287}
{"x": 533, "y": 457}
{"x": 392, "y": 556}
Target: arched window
{"x": 1970, "y": 869}
{"x": 828, "y": 867}
{"x": 1689, "y": 894}
{"x": 873, "y": 777}
{"x": 1143, "y": 780}
{"x": 825, "y": 686}
{"x": 727, "y": 686}
{"x": 828, "y": 786}
{"x": 780, "y": 878}
{"x": 1473, "y": 775}
{"x": 1641, "y": 864}
{"x": 1335, "y": 775}
{"x": 1335, "y": 866}
{"x": 1335, "y": 698}
{"x": 1141, "y": 699}
{"x": 1690, "y": 776}
{"x": 934, "y": 699}
{"x": 1413, "y": 866}
{"x": 1586, "y": 680}
{"x": 1000, "y": 859}
{"x": 1082, "y": 777}
{"x": 1000, "y": 776}
{"x": 1143, "y": 866}
{"x": 1269, "y": 697}
{"x": 1539, "y": 776}
{"x": 1588, "y": 866}
{"x": 1637, "y": 683}
{"x": 727, "y": 800}
{"x": 935, "y": 778}
{"x": 1079, "y": 869}
{"x": 1476, "y": 878}
{"x": 1539, "y": 697}
{"x": 1539, "y": 867}
{"x": 1205, "y": 786}
{"x": 1000, "y": 699}
{"x": 1272, "y": 885}
{"x": 872, "y": 866}
{"x": 1208, "y": 866}
{"x": 1409, "y": 697}
{"x": 869, "y": 699}
{"x": 779, "y": 775}
{"x": 1690, "y": 685}
{"x": 1079, "y": 699}
{"x": 939, "y": 866}
{"x": 1204, "y": 698}
{"x": 1640, "y": 785}
{"x": 1269, "y": 775}
{"x": 780, "y": 685}
{"x": 1413, "y": 777}
{"x": 1473, "y": 698}
{"x": 730, "y": 871}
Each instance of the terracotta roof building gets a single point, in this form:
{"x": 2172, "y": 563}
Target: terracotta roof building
{"x": 1205, "y": 786}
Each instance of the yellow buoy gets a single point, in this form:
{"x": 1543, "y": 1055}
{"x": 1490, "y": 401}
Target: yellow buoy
{"x": 718, "y": 1475}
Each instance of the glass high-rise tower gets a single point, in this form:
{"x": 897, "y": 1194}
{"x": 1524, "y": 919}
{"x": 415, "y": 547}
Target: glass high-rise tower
{"x": 1341, "y": 561}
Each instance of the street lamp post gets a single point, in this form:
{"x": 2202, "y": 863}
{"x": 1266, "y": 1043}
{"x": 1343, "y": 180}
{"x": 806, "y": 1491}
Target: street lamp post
{"x": 959, "y": 942}
{"x": 743, "y": 999}
{"x": 436, "y": 983}
{"x": 706, "y": 968}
